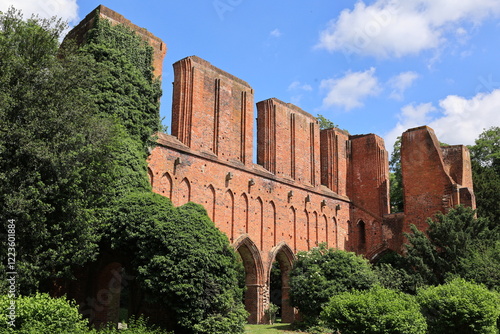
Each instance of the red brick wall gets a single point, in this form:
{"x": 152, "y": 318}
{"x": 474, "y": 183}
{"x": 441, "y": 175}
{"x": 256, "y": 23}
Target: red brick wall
{"x": 212, "y": 111}
{"x": 288, "y": 142}
{"x": 431, "y": 176}
{"x": 368, "y": 189}
{"x": 334, "y": 144}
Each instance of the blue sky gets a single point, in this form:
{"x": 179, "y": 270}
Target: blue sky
{"x": 370, "y": 66}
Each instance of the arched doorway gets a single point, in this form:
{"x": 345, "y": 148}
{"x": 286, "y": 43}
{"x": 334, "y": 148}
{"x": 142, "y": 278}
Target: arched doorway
{"x": 283, "y": 255}
{"x": 253, "y": 277}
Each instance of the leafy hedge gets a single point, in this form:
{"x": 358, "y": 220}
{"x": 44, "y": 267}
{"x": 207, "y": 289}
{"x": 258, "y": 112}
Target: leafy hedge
{"x": 374, "y": 311}
{"x": 460, "y": 307}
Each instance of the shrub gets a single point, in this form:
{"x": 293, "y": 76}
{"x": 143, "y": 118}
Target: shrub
{"x": 42, "y": 314}
{"x": 460, "y": 307}
{"x": 377, "y": 310}
{"x": 271, "y": 312}
{"x": 321, "y": 273}
{"x": 184, "y": 263}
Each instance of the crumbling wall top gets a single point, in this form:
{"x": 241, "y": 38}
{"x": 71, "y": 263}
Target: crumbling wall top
{"x": 209, "y": 66}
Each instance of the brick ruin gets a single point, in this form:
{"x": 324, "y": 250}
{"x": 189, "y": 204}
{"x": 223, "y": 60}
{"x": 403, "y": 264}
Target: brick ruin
{"x": 307, "y": 186}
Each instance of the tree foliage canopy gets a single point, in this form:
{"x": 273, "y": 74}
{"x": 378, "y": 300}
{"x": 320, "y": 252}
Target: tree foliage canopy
{"x": 324, "y": 272}
{"x": 485, "y": 156}
{"x": 183, "y": 261}
{"x": 54, "y": 152}
{"x": 450, "y": 239}
{"x": 396, "y": 178}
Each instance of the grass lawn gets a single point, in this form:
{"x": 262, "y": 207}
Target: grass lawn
{"x": 270, "y": 329}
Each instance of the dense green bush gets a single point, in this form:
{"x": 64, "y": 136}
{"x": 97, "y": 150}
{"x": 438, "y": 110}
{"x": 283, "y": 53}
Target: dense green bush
{"x": 324, "y": 272}
{"x": 460, "y": 307}
{"x": 183, "y": 262}
{"x": 373, "y": 311}
{"x": 42, "y": 314}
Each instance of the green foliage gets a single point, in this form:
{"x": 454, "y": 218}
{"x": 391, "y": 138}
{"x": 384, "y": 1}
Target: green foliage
{"x": 325, "y": 123}
{"x": 482, "y": 264}
{"x": 54, "y": 151}
{"x": 184, "y": 263}
{"x": 42, "y": 314}
{"x": 396, "y": 178}
{"x": 450, "y": 239}
{"x": 377, "y": 310}
{"x": 271, "y": 312}
{"x": 324, "y": 272}
{"x": 485, "y": 157}
{"x": 125, "y": 87}
{"x": 460, "y": 307}
{"x": 396, "y": 277}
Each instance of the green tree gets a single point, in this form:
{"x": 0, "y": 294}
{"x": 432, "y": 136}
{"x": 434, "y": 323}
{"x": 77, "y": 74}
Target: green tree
{"x": 373, "y": 311}
{"x": 183, "y": 262}
{"x": 54, "y": 151}
{"x": 460, "y": 307}
{"x": 325, "y": 123}
{"x": 450, "y": 238}
{"x": 485, "y": 157}
{"x": 396, "y": 178}
{"x": 324, "y": 272}
{"x": 482, "y": 264}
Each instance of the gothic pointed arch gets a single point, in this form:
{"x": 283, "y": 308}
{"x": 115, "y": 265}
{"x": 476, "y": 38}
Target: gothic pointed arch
{"x": 259, "y": 220}
{"x": 324, "y": 231}
{"x": 254, "y": 273}
{"x": 150, "y": 176}
{"x": 164, "y": 185}
{"x": 210, "y": 202}
{"x": 361, "y": 232}
{"x": 244, "y": 214}
{"x": 184, "y": 192}
{"x": 283, "y": 254}
{"x": 228, "y": 214}
{"x": 335, "y": 233}
{"x": 273, "y": 223}
{"x": 292, "y": 220}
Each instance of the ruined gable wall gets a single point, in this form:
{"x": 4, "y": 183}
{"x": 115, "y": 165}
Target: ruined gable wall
{"x": 427, "y": 175}
{"x": 80, "y": 32}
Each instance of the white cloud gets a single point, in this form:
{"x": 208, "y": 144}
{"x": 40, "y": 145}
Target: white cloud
{"x": 457, "y": 120}
{"x": 349, "y": 91}
{"x": 276, "y": 33}
{"x": 65, "y": 9}
{"x": 297, "y": 85}
{"x": 400, "y": 83}
{"x": 394, "y": 28}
